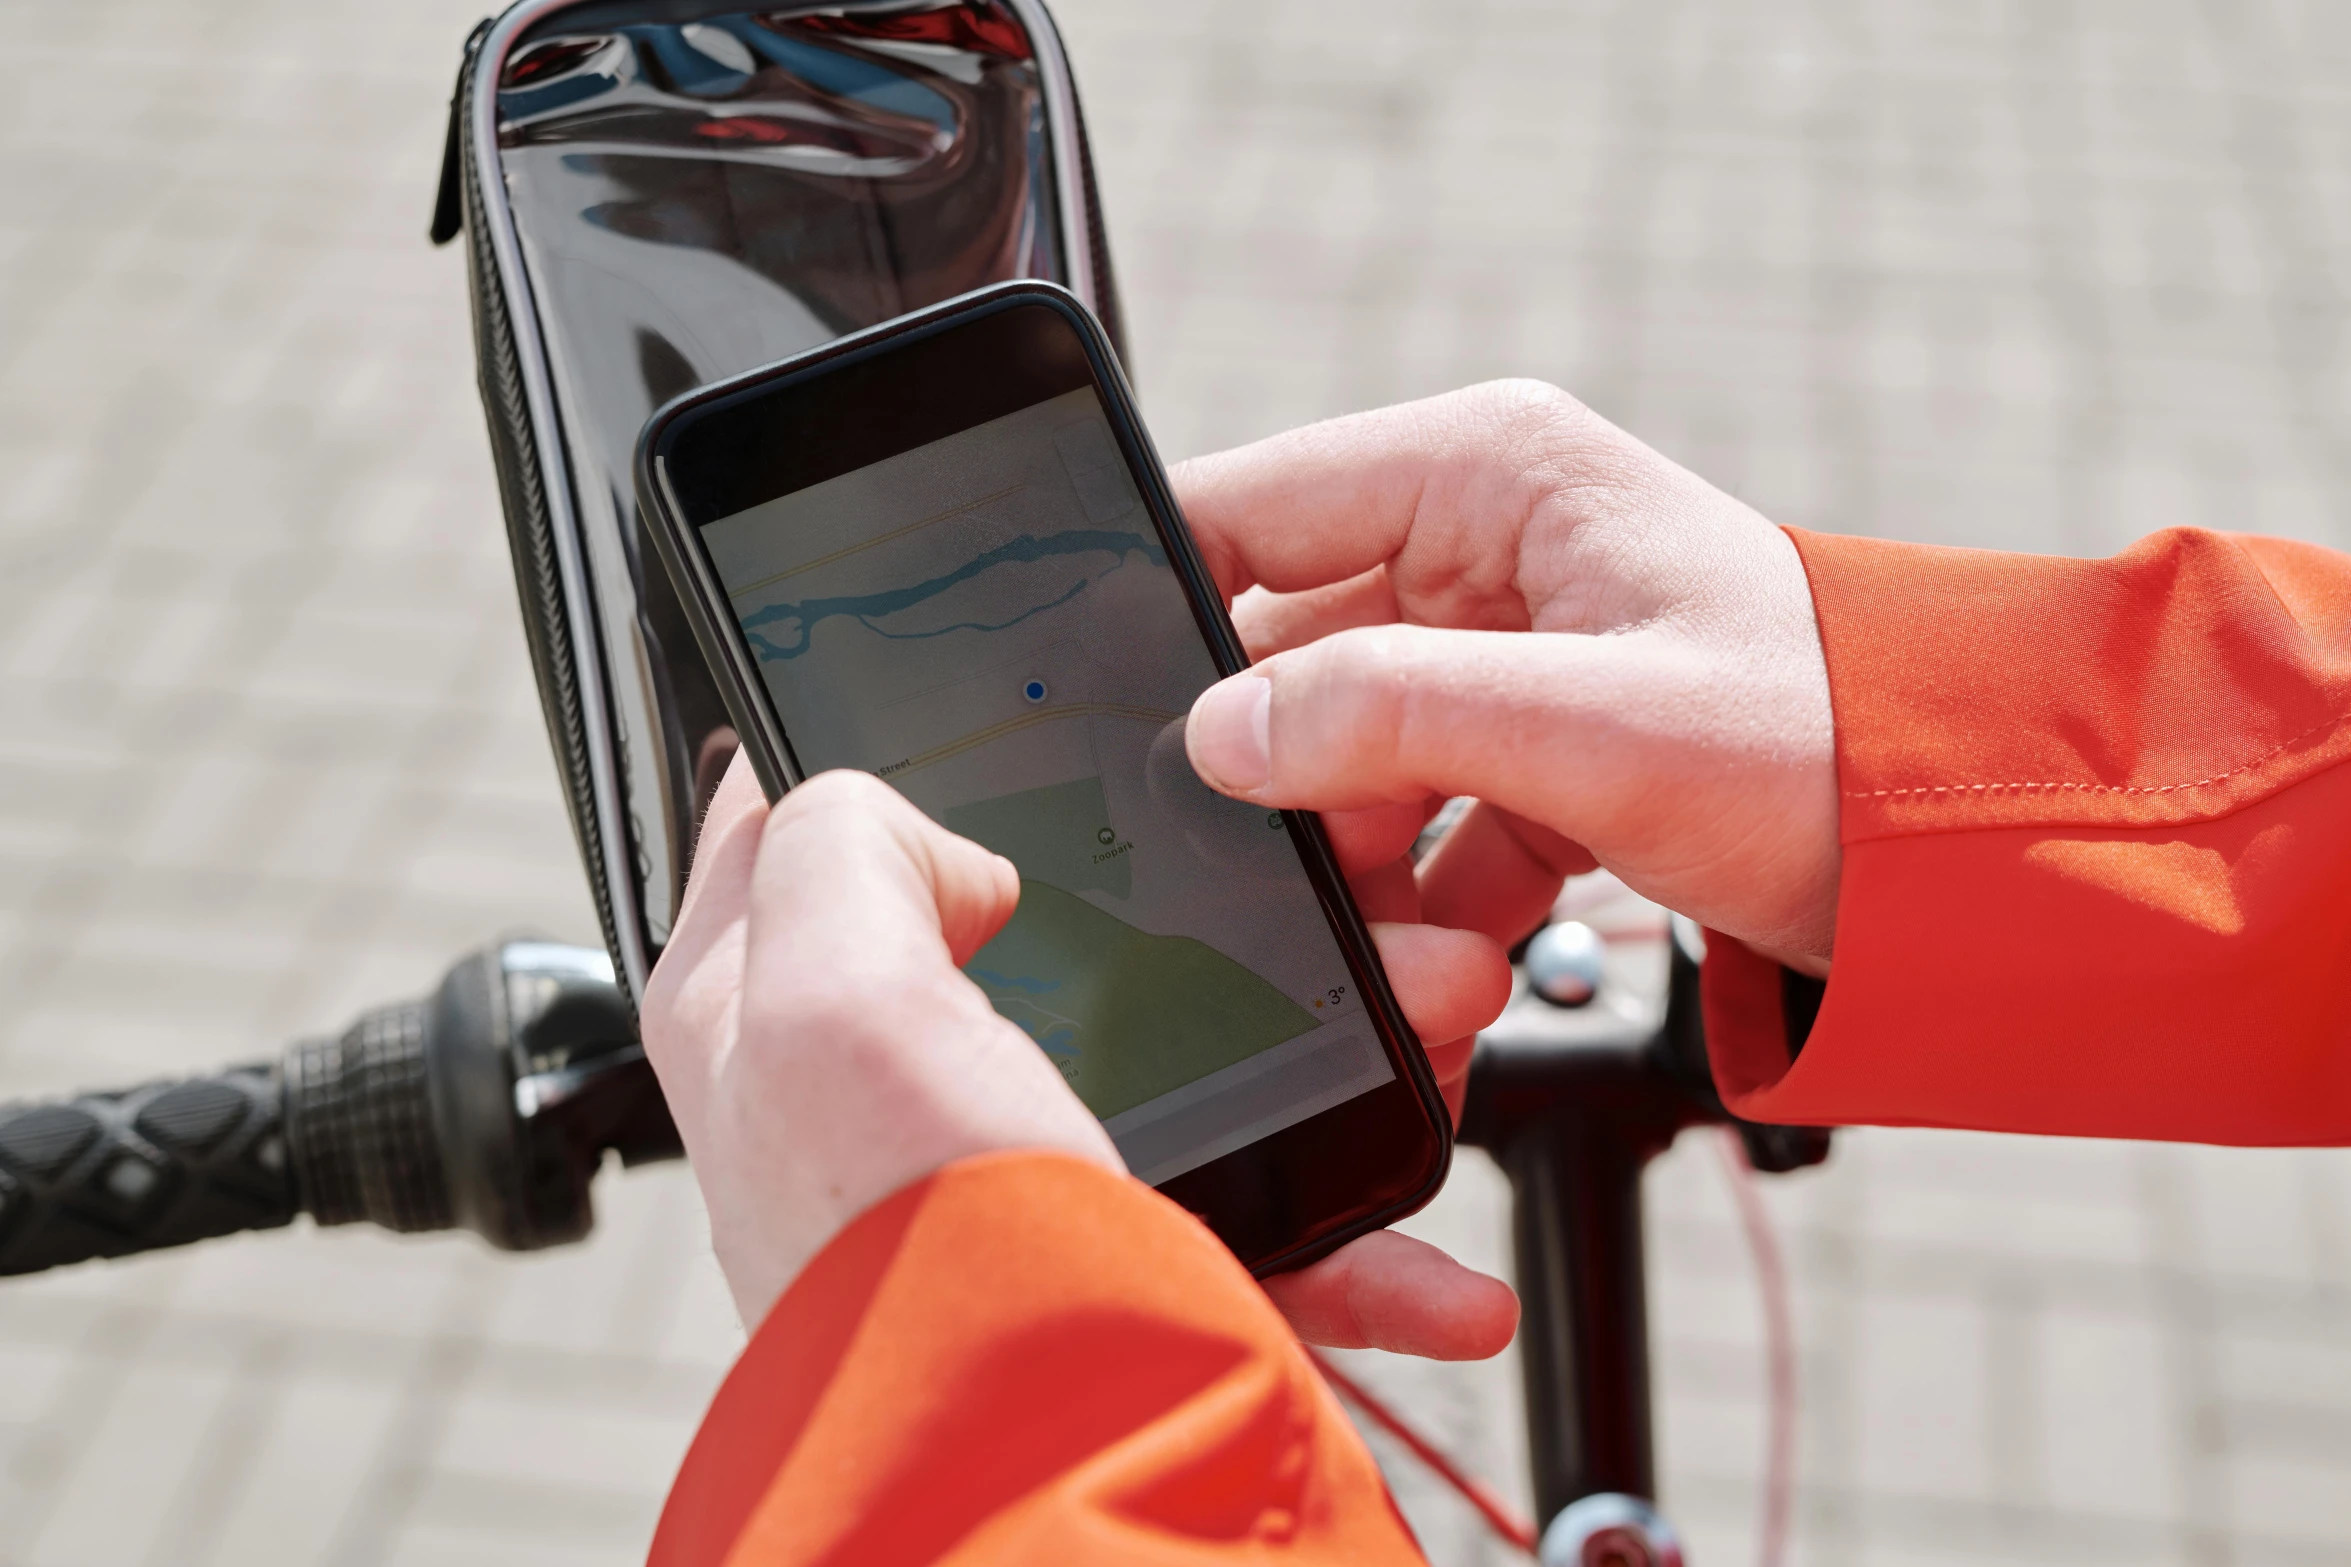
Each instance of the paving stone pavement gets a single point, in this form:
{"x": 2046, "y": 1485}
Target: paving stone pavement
{"x": 2035, "y": 275}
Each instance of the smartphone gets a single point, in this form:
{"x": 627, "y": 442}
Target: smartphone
{"x": 944, "y": 552}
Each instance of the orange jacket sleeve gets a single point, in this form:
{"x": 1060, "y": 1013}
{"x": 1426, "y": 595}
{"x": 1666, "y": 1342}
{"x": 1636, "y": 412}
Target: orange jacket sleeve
{"x": 2097, "y": 848}
{"x": 1026, "y": 1359}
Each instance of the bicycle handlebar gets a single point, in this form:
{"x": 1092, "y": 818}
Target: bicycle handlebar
{"x": 488, "y": 1106}
{"x": 104, "y": 1174}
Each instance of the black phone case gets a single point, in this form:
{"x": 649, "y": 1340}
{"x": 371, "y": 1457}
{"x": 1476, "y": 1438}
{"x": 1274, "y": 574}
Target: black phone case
{"x": 632, "y": 714}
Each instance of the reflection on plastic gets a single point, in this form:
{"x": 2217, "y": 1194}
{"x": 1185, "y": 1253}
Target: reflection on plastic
{"x": 696, "y": 199}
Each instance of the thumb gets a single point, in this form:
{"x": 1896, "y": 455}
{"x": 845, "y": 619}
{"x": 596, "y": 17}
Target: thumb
{"x": 847, "y": 830}
{"x": 1704, "y": 776}
{"x": 977, "y": 889}
{"x": 1387, "y": 714}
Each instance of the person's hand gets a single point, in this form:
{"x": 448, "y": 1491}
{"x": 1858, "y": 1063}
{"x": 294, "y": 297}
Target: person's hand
{"x": 817, "y": 1045}
{"x": 820, "y": 1050}
{"x": 1668, "y": 717}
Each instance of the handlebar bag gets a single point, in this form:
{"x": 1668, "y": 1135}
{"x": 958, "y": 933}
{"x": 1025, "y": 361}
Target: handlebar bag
{"x": 657, "y": 194}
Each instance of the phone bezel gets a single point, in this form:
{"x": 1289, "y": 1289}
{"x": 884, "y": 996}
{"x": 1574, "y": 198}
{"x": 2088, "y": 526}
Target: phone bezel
{"x": 1273, "y": 1201}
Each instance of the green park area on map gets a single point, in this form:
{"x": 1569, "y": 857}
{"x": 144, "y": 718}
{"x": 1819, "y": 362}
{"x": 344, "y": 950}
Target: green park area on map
{"x": 1059, "y": 834}
{"x": 1124, "y": 1014}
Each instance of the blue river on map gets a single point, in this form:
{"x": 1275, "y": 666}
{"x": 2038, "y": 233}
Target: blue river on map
{"x": 1053, "y": 1038}
{"x": 794, "y": 622}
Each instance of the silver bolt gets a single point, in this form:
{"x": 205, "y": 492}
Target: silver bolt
{"x": 1610, "y": 1530}
{"x": 1566, "y": 962}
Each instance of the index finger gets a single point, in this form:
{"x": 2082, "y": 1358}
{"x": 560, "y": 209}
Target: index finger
{"x": 724, "y": 845}
{"x": 691, "y": 993}
{"x": 1271, "y": 622}
{"x": 1439, "y": 491}
{"x": 1389, "y": 1291}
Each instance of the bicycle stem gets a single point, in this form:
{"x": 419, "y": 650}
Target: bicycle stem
{"x": 1574, "y": 1121}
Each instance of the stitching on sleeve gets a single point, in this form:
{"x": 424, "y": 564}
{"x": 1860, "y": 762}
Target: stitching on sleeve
{"x": 2095, "y": 788}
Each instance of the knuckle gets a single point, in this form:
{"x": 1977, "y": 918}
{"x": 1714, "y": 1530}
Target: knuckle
{"x": 1532, "y": 425}
{"x": 1522, "y": 406}
{"x": 1368, "y": 662}
{"x": 845, "y": 828}
{"x": 840, "y": 804}
{"x": 1357, "y": 686}
{"x": 840, "y": 789}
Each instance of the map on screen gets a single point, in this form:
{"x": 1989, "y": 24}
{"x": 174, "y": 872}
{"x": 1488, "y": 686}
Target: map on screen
{"x": 990, "y": 623}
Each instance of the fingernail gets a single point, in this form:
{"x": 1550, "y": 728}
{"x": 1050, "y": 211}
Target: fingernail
{"x": 1229, "y": 734}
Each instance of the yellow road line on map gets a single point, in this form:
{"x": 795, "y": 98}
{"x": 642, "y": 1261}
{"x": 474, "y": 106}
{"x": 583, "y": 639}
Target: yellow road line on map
{"x": 1026, "y": 721}
{"x": 895, "y": 533}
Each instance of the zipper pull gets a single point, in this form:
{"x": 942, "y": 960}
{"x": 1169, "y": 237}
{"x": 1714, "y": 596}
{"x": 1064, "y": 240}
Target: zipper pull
{"x": 449, "y": 206}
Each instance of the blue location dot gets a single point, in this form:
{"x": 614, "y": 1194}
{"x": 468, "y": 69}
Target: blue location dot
{"x": 1034, "y": 690}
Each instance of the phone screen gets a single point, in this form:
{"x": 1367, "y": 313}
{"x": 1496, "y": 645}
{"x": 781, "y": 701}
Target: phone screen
{"x": 990, "y": 622}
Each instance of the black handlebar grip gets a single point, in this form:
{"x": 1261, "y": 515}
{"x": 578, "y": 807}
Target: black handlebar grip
{"x": 163, "y": 1164}
{"x": 359, "y": 1114}
{"x": 490, "y": 1106}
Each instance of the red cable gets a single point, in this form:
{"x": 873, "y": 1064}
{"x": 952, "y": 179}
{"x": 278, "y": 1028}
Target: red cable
{"x": 1504, "y": 1519}
{"x": 1779, "y": 1333}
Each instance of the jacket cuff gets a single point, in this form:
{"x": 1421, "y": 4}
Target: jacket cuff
{"x": 2095, "y": 829}
{"x": 1755, "y": 1028}
{"x": 2187, "y": 986}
